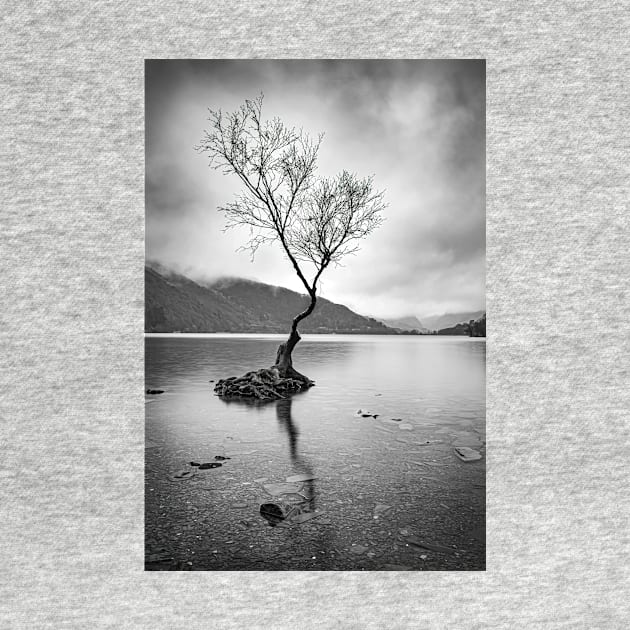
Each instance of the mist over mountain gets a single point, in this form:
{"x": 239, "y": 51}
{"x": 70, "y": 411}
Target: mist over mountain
{"x": 447, "y": 320}
{"x": 410, "y": 322}
{"x": 175, "y": 303}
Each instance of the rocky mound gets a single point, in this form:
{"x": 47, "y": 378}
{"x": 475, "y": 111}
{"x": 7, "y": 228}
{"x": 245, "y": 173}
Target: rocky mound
{"x": 265, "y": 384}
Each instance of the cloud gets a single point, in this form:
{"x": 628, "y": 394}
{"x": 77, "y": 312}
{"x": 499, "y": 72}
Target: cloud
{"x": 417, "y": 126}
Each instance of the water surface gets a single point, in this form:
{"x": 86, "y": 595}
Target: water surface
{"x": 434, "y": 385}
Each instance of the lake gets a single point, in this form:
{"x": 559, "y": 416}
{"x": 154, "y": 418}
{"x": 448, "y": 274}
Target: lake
{"x": 388, "y": 493}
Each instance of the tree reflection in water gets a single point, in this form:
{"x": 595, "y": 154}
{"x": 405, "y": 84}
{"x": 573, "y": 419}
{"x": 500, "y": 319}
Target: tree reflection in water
{"x": 315, "y": 543}
{"x": 285, "y": 420}
{"x": 300, "y": 464}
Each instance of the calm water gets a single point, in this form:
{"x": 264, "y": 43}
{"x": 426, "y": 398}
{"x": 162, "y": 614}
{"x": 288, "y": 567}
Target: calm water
{"x": 436, "y": 385}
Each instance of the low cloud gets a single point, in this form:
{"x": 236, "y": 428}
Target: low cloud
{"x": 417, "y": 126}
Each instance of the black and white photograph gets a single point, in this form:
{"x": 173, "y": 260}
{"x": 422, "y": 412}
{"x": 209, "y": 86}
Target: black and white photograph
{"x": 315, "y": 315}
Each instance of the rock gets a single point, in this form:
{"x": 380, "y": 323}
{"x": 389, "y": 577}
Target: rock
{"x": 264, "y": 385}
{"x": 358, "y": 549}
{"x": 295, "y": 498}
{"x": 158, "y": 557}
{"x": 209, "y": 465}
{"x": 467, "y": 454}
{"x": 306, "y": 516}
{"x": 155, "y": 391}
{"x": 397, "y": 419}
{"x": 272, "y": 513}
{"x": 221, "y": 458}
{"x": 363, "y": 413}
{"x": 195, "y": 464}
{"x": 416, "y": 542}
{"x": 295, "y": 478}
{"x": 183, "y": 475}
{"x": 278, "y": 489}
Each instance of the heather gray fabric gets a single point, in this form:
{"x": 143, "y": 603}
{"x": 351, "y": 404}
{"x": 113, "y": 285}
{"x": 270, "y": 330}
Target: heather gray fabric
{"x": 72, "y": 408}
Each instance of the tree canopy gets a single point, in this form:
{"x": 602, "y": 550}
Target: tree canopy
{"x": 317, "y": 220}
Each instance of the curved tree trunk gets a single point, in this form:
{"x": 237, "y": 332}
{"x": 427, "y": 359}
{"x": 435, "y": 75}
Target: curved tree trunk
{"x": 284, "y": 363}
{"x": 276, "y": 383}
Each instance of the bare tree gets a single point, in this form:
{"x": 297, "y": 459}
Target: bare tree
{"x": 316, "y": 221}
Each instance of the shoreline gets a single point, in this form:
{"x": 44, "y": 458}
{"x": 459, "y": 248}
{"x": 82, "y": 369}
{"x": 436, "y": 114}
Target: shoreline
{"x": 256, "y": 335}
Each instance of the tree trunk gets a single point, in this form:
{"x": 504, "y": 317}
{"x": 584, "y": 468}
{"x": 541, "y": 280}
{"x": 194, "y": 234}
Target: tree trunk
{"x": 284, "y": 362}
{"x": 277, "y": 383}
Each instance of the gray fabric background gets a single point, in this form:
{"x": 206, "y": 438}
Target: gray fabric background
{"x": 71, "y": 467}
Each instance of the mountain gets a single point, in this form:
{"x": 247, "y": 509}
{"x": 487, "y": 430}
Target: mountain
{"x": 437, "y": 322}
{"x": 406, "y": 323}
{"x": 175, "y": 303}
{"x": 476, "y": 328}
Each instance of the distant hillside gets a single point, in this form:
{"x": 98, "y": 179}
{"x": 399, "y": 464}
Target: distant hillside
{"x": 277, "y": 306}
{"x": 406, "y": 323}
{"x": 176, "y": 303}
{"x": 476, "y": 328}
{"x": 437, "y": 322}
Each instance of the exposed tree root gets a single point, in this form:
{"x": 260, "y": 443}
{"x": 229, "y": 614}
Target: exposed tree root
{"x": 265, "y": 384}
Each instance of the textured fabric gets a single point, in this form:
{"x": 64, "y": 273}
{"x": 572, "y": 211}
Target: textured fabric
{"x": 72, "y": 408}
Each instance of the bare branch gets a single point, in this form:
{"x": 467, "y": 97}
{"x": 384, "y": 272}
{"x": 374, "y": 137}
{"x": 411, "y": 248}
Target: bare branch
{"x": 316, "y": 221}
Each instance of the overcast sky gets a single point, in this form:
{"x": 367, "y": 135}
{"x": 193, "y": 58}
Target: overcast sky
{"x": 417, "y": 126}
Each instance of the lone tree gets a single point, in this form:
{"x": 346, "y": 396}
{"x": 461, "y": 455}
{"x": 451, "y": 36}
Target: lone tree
{"x": 316, "y": 220}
